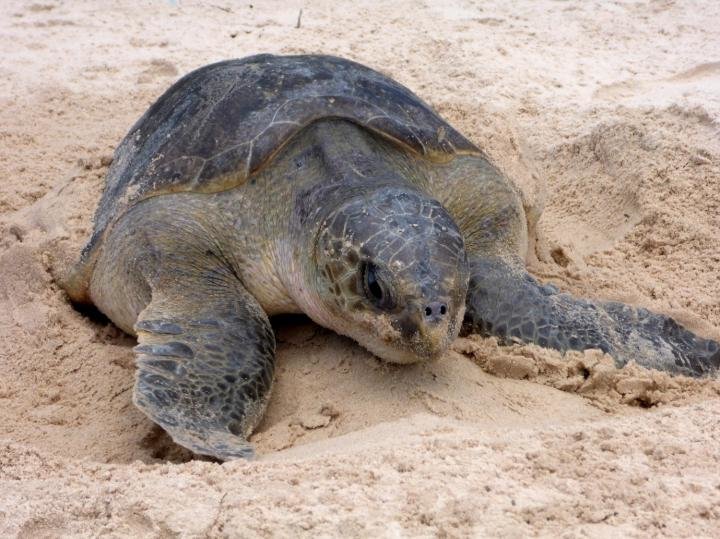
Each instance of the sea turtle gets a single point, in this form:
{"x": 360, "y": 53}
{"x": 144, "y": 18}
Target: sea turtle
{"x": 312, "y": 184}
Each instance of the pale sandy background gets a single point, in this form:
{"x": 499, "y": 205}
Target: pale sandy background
{"x": 606, "y": 113}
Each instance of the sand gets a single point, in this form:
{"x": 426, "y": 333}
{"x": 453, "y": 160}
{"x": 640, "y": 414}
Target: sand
{"x": 606, "y": 114}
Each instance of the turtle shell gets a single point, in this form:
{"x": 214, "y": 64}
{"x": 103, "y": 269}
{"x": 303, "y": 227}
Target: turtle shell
{"x": 219, "y": 124}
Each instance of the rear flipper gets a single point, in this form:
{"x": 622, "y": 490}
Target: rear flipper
{"x": 505, "y": 301}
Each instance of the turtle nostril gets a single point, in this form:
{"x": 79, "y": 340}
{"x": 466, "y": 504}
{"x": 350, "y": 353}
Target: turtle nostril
{"x": 435, "y": 310}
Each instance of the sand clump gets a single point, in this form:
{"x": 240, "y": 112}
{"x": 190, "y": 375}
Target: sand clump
{"x": 590, "y": 373}
{"x": 606, "y": 116}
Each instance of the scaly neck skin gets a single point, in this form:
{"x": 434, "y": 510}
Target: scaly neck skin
{"x": 337, "y": 161}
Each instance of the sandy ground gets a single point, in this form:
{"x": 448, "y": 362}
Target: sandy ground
{"x": 606, "y": 113}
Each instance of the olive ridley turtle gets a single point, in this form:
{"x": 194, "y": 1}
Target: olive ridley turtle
{"x": 312, "y": 184}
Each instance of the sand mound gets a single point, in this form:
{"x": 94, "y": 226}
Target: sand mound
{"x": 591, "y": 374}
{"x": 610, "y": 135}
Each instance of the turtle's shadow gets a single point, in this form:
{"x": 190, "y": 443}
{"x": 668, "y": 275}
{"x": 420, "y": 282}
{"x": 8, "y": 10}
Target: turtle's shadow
{"x": 105, "y": 331}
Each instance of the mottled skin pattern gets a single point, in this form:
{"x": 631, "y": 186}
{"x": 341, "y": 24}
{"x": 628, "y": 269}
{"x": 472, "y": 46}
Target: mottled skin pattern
{"x": 397, "y": 235}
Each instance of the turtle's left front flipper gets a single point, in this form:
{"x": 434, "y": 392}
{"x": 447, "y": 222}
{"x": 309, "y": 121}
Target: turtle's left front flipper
{"x": 205, "y": 360}
{"x": 505, "y": 301}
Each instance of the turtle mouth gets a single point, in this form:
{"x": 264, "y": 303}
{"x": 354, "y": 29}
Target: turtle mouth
{"x": 404, "y": 352}
{"x": 399, "y": 355}
{"x": 408, "y": 338}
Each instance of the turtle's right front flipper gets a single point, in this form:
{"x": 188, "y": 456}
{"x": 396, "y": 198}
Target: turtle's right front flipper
{"x": 205, "y": 361}
{"x": 505, "y": 301}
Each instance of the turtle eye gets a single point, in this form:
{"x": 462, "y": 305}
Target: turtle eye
{"x": 374, "y": 287}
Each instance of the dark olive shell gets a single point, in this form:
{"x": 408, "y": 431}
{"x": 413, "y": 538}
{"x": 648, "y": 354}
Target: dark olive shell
{"x": 219, "y": 124}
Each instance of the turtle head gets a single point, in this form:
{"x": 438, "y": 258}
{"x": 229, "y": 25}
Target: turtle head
{"x": 391, "y": 273}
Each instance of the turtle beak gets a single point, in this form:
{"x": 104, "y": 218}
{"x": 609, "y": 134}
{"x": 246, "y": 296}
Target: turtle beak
{"x": 427, "y": 326}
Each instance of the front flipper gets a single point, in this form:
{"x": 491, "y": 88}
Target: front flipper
{"x": 505, "y": 301}
{"x": 205, "y": 361}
